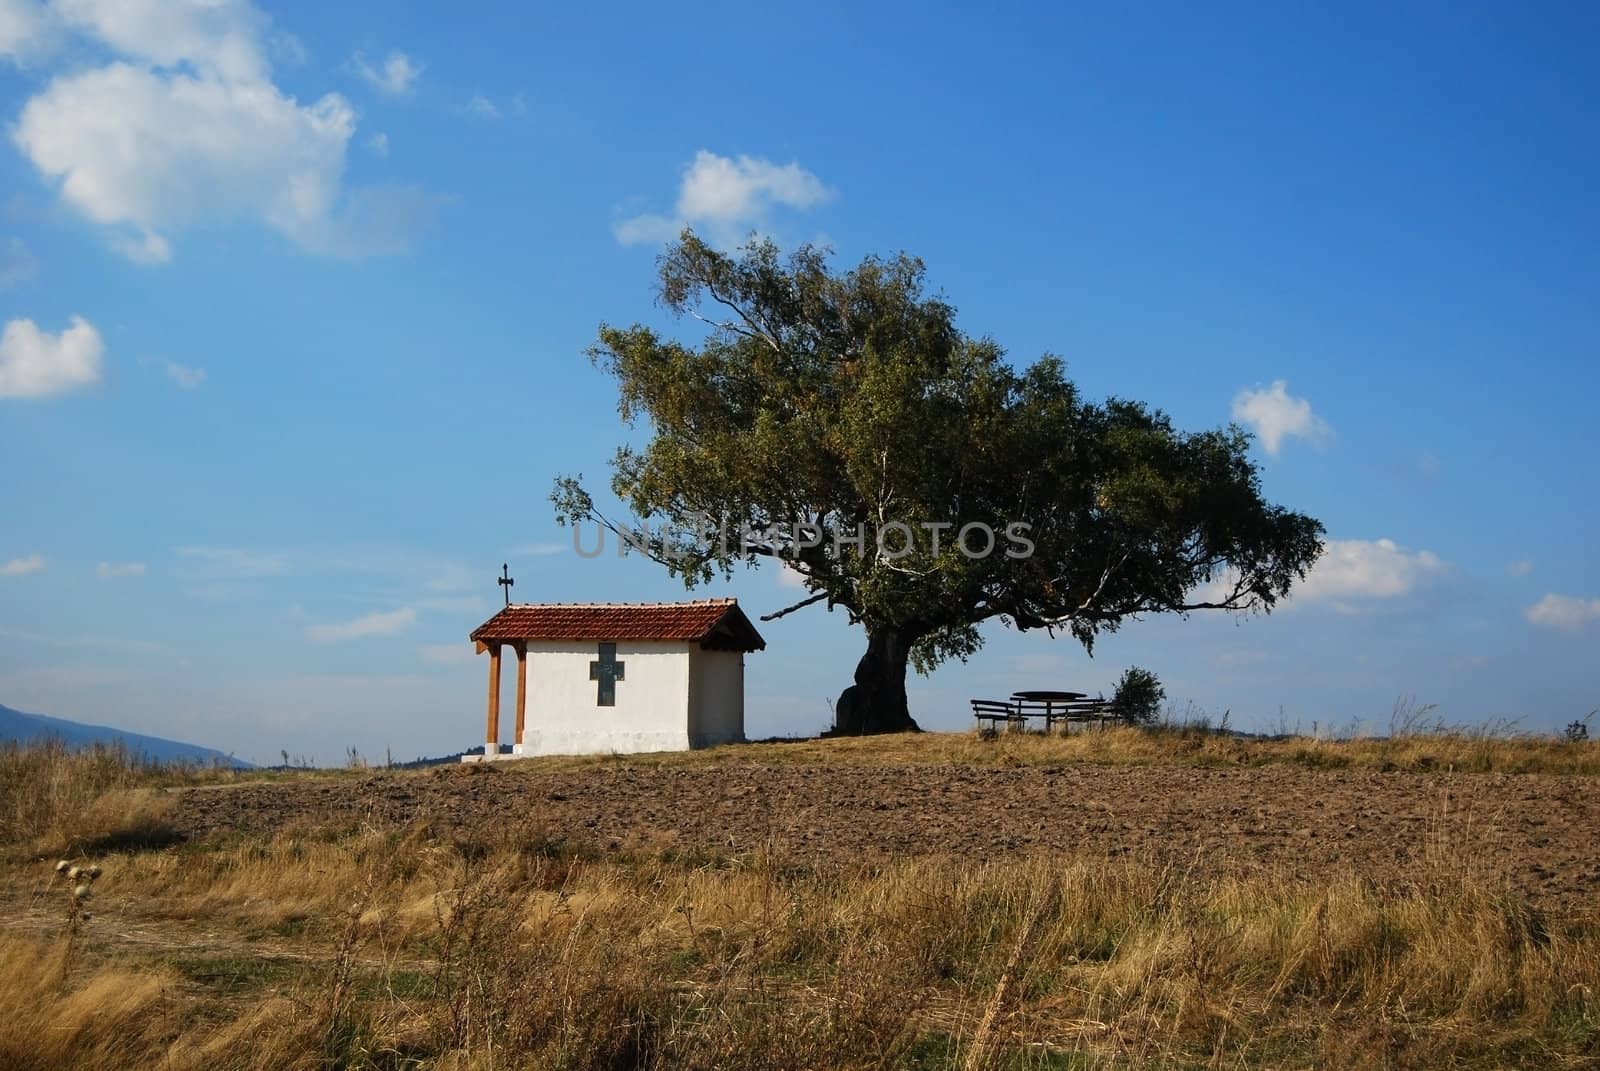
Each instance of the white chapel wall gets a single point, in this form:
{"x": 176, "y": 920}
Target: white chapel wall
{"x": 652, "y": 709}
{"x": 716, "y": 697}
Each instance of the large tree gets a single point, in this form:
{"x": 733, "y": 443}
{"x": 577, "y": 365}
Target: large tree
{"x": 849, "y": 421}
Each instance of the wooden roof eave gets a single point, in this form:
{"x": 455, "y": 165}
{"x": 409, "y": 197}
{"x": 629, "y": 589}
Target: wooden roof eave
{"x": 733, "y": 632}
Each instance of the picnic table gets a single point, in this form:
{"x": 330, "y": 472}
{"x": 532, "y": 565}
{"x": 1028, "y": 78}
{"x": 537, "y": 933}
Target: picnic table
{"x": 1051, "y": 701}
{"x": 1051, "y": 704}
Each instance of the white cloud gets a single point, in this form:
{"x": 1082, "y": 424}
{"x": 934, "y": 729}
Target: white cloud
{"x": 790, "y": 577}
{"x": 288, "y": 48}
{"x": 219, "y": 38}
{"x": 1564, "y": 612}
{"x": 1364, "y": 568}
{"x": 374, "y": 624}
{"x": 16, "y": 260}
{"x": 151, "y": 151}
{"x": 539, "y": 550}
{"x": 119, "y": 642}
{"x": 717, "y": 188}
{"x": 232, "y": 563}
{"x": 647, "y": 229}
{"x": 1520, "y": 567}
{"x": 24, "y": 29}
{"x": 448, "y": 654}
{"x": 411, "y": 577}
{"x": 114, "y": 569}
{"x": 379, "y": 144}
{"x": 1276, "y": 415}
{"x": 479, "y": 106}
{"x": 143, "y": 248}
{"x": 186, "y": 127}
{"x": 185, "y": 377}
{"x": 395, "y": 77}
{"x": 452, "y": 577}
{"x": 33, "y": 563}
{"x": 454, "y": 604}
{"x": 1351, "y": 570}
{"x": 727, "y": 196}
{"x": 224, "y": 591}
{"x": 35, "y": 363}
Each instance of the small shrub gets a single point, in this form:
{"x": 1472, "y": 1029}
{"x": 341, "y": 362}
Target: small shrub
{"x": 1138, "y": 697}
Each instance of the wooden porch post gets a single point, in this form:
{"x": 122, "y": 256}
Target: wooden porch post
{"x": 492, "y": 740}
{"x": 521, "y": 647}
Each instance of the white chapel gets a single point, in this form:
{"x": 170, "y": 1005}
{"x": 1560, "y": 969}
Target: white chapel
{"x": 598, "y": 678}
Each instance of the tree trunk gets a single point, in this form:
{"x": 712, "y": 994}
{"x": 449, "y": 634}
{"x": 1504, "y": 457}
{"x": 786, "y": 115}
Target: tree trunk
{"x": 876, "y": 703}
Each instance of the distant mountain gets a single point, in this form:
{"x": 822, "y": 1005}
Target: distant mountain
{"x": 15, "y": 725}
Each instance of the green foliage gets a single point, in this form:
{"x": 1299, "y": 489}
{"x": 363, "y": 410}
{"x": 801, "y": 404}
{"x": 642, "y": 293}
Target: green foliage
{"x": 846, "y": 400}
{"x": 1138, "y": 697}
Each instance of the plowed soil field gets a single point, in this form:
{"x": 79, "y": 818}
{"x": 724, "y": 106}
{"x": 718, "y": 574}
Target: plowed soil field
{"x": 1540, "y": 832}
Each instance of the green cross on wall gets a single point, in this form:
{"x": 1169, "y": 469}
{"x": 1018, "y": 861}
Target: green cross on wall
{"x": 607, "y": 671}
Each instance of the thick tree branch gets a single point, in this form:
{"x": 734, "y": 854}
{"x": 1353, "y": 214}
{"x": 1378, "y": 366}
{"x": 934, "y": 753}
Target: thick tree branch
{"x": 801, "y": 605}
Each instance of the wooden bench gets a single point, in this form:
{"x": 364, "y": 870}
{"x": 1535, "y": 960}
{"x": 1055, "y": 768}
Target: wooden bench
{"x": 993, "y": 711}
{"x": 1097, "y": 711}
{"x": 1087, "y": 710}
{"x": 1016, "y": 712}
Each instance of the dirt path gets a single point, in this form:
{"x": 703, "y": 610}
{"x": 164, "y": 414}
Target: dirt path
{"x": 1542, "y": 832}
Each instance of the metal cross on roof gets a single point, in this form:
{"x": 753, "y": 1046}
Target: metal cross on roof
{"x": 505, "y": 581}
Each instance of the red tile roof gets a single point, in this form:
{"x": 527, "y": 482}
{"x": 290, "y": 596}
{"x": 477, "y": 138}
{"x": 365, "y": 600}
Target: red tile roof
{"x": 715, "y": 623}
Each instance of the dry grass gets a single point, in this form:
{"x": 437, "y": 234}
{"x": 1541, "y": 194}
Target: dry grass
{"x": 102, "y": 1017}
{"x": 45, "y": 784}
{"x": 1441, "y": 748}
{"x": 58, "y": 799}
{"x": 423, "y": 953}
{"x": 397, "y": 948}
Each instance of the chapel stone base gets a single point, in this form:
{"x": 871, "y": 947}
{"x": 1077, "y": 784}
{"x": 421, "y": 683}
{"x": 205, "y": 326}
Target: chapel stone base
{"x": 504, "y": 752}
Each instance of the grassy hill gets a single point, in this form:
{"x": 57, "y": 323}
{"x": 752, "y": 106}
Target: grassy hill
{"x": 545, "y": 913}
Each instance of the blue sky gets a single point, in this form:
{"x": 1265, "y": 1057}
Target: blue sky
{"x": 295, "y": 297}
